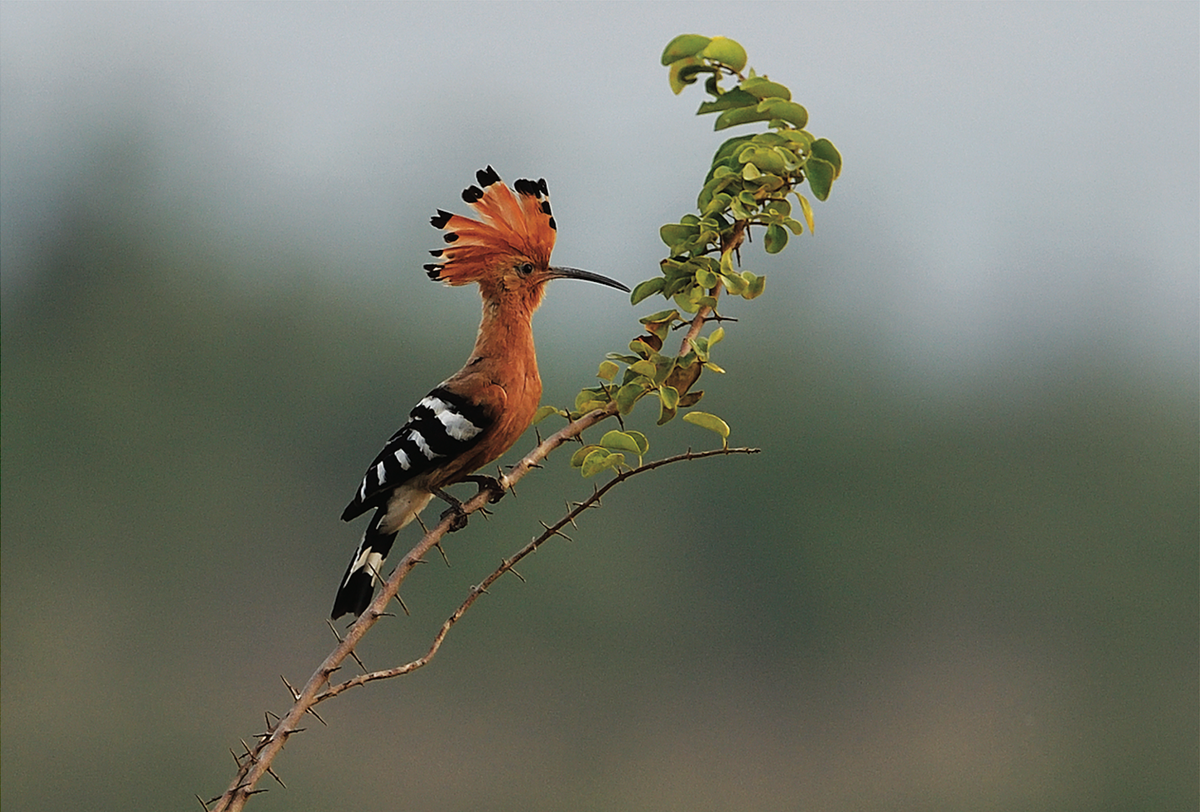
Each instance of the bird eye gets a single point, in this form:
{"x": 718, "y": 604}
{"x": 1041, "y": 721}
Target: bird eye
{"x": 525, "y": 269}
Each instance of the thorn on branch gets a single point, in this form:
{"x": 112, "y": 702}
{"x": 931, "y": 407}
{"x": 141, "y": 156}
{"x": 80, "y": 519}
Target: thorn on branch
{"x": 554, "y": 532}
{"x": 354, "y": 655}
{"x": 291, "y": 690}
{"x": 271, "y": 773}
{"x": 438, "y": 544}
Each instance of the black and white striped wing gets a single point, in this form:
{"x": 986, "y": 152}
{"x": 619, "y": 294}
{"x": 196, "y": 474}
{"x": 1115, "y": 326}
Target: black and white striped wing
{"x": 441, "y": 427}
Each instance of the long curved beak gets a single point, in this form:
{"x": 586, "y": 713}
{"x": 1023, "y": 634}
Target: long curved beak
{"x": 575, "y": 273}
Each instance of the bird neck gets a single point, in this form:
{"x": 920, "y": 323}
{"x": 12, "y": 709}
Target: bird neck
{"x": 506, "y": 335}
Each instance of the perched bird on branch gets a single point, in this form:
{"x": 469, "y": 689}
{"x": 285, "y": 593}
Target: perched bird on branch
{"x": 476, "y": 414}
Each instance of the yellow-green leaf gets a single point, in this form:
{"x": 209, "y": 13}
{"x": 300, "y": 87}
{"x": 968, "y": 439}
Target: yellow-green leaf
{"x": 643, "y": 367}
{"x": 824, "y": 149}
{"x": 646, "y": 289}
{"x": 578, "y": 457}
{"x": 727, "y": 52}
{"x": 806, "y": 207}
{"x": 545, "y": 411}
{"x": 684, "y": 45}
{"x": 640, "y": 439}
{"x": 628, "y": 395}
{"x": 616, "y": 440}
{"x": 776, "y": 239}
{"x": 677, "y": 78}
{"x": 598, "y": 460}
{"x": 763, "y": 88}
{"x": 607, "y": 371}
{"x": 709, "y": 421}
{"x": 789, "y": 111}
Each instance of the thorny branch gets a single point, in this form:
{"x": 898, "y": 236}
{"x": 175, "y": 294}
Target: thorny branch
{"x": 507, "y": 564}
{"x": 255, "y": 762}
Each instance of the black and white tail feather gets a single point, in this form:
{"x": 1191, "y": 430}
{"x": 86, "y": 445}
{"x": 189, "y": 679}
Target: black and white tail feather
{"x": 399, "y": 484}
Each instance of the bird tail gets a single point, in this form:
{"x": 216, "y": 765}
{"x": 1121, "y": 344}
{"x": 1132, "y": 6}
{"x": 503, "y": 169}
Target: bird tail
{"x": 358, "y": 584}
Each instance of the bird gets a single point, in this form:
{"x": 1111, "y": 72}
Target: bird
{"x": 477, "y": 414}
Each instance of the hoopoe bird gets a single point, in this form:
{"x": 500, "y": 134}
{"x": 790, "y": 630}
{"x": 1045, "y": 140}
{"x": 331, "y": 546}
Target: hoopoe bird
{"x": 476, "y": 414}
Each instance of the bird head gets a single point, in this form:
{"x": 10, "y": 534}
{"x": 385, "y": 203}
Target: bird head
{"x": 507, "y": 250}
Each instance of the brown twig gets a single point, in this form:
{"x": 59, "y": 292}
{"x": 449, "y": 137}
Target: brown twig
{"x": 507, "y": 564}
{"x": 258, "y": 761}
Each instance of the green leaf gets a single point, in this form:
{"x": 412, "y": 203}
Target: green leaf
{"x": 600, "y": 459}
{"x": 734, "y": 283}
{"x": 674, "y": 233}
{"x": 607, "y": 371}
{"x": 820, "y": 177}
{"x": 590, "y": 398}
{"x": 767, "y": 159}
{"x": 545, "y": 411}
{"x": 727, "y": 149}
{"x": 726, "y": 51}
{"x": 763, "y": 88}
{"x": 754, "y": 285}
{"x": 684, "y": 45}
{"x": 644, "y": 290}
{"x": 646, "y": 368}
{"x": 620, "y": 441}
{"x": 640, "y": 347}
{"x": 711, "y": 422}
{"x": 731, "y": 99}
{"x": 740, "y": 115}
{"x": 824, "y": 149}
{"x": 727, "y": 263}
{"x": 779, "y": 208}
{"x": 715, "y": 336}
{"x": 660, "y": 317}
{"x": 776, "y": 239}
{"x": 578, "y": 457}
{"x": 669, "y": 396}
{"x": 628, "y": 395}
{"x": 789, "y": 111}
{"x": 675, "y": 78}
{"x": 705, "y": 278}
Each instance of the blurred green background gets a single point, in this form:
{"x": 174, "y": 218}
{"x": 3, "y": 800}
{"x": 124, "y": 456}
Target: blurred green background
{"x": 962, "y": 575}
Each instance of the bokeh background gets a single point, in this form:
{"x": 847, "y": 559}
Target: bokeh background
{"x": 962, "y": 575}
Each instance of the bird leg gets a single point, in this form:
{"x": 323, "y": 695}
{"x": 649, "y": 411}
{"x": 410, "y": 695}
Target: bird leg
{"x": 486, "y": 483}
{"x": 455, "y": 509}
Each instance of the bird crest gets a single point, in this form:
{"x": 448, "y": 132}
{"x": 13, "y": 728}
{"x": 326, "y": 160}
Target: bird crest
{"x": 513, "y": 224}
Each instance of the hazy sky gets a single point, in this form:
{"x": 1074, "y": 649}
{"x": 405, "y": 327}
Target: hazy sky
{"x": 1014, "y": 172}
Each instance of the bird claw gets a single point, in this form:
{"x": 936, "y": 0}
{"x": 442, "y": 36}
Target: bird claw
{"x": 490, "y": 484}
{"x": 459, "y": 521}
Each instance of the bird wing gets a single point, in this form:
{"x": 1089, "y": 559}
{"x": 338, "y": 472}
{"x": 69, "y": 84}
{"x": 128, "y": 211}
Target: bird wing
{"x": 442, "y": 426}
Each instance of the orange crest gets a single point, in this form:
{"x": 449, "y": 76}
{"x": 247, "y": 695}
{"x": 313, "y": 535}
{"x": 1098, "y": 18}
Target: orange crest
{"x": 510, "y": 227}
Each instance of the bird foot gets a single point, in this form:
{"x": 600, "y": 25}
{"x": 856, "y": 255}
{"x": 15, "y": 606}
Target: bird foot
{"x": 487, "y": 483}
{"x": 455, "y": 510}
